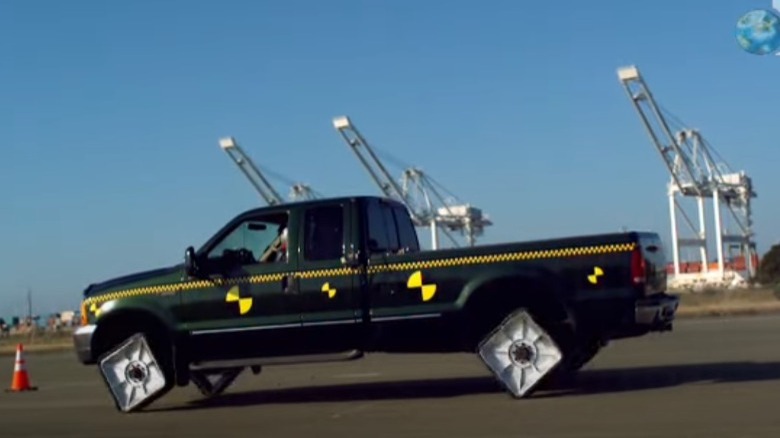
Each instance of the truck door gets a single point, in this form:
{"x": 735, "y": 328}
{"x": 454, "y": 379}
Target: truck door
{"x": 327, "y": 293}
{"x": 247, "y": 309}
{"x": 389, "y": 236}
{"x": 402, "y": 317}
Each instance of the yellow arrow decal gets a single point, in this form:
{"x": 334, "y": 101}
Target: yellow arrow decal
{"x": 328, "y": 290}
{"x": 244, "y": 304}
{"x": 415, "y": 281}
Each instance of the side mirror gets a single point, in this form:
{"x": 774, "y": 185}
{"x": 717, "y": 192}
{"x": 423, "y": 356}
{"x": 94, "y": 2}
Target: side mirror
{"x": 190, "y": 262}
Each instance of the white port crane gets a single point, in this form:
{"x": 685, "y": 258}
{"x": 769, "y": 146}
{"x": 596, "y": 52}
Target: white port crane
{"x": 298, "y": 191}
{"x": 695, "y": 173}
{"x": 417, "y": 191}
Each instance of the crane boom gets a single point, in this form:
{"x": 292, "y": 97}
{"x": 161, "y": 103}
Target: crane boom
{"x": 694, "y": 173}
{"x": 470, "y": 221}
{"x": 679, "y": 164}
{"x": 302, "y": 192}
{"x": 253, "y": 174}
{"x": 422, "y": 216}
{"x": 375, "y": 168}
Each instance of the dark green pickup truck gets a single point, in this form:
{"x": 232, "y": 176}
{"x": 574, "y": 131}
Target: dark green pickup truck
{"x": 333, "y": 279}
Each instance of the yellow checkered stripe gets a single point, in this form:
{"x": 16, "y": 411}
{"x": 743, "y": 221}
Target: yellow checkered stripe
{"x": 338, "y": 272}
{"x": 190, "y": 285}
{"x": 506, "y": 257}
{"x": 395, "y": 267}
{"x": 203, "y": 284}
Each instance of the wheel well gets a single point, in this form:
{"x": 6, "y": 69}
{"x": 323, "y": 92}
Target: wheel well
{"x": 495, "y": 300}
{"x": 117, "y": 327}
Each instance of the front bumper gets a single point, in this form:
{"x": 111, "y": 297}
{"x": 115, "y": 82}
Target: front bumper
{"x": 82, "y": 342}
{"x": 657, "y": 312}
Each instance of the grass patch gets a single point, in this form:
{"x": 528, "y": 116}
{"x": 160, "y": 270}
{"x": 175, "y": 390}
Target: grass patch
{"x": 728, "y": 302}
{"x": 712, "y": 296}
{"x": 38, "y": 341}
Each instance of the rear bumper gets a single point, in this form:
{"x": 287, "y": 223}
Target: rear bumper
{"x": 656, "y": 313}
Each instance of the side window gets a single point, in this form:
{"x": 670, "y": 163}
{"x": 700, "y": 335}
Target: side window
{"x": 324, "y": 233}
{"x": 406, "y": 232}
{"x": 378, "y": 239}
{"x": 260, "y": 238}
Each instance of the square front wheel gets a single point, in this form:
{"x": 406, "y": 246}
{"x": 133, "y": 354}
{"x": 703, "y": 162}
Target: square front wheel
{"x": 133, "y": 374}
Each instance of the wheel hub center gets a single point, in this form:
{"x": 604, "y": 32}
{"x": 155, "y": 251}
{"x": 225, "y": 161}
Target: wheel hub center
{"x": 136, "y": 372}
{"x": 521, "y": 353}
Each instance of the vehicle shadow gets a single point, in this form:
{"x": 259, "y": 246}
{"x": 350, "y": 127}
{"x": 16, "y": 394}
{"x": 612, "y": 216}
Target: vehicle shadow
{"x": 587, "y": 382}
{"x": 600, "y": 381}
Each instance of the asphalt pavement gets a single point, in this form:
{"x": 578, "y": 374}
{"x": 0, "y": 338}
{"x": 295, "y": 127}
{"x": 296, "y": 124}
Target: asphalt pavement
{"x": 708, "y": 378}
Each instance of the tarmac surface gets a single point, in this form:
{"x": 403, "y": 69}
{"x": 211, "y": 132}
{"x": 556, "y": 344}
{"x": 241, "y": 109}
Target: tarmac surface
{"x": 709, "y": 378}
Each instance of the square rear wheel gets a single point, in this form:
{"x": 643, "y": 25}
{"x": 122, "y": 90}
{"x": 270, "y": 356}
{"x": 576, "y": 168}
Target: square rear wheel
{"x": 520, "y": 353}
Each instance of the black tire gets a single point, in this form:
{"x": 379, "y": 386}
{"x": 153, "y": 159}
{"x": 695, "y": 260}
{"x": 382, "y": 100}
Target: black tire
{"x": 210, "y": 390}
{"x": 578, "y": 350}
{"x": 583, "y": 354}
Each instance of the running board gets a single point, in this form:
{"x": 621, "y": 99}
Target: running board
{"x": 280, "y": 360}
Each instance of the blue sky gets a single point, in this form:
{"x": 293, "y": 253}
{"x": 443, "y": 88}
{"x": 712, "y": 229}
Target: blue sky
{"x": 111, "y": 113}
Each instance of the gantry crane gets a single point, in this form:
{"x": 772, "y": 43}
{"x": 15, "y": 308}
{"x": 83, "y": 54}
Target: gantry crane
{"x": 298, "y": 191}
{"x": 695, "y": 173}
{"x": 418, "y": 192}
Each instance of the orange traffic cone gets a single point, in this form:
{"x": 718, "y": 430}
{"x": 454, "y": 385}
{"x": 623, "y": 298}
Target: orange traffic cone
{"x": 21, "y": 381}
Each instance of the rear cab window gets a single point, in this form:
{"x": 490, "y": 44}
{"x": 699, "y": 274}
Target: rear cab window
{"x": 379, "y": 238}
{"x": 407, "y": 235}
{"x": 389, "y": 229}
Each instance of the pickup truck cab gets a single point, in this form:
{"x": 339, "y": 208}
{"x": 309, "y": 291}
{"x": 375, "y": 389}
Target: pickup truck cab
{"x": 334, "y": 279}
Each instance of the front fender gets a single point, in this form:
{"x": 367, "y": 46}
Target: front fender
{"x": 123, "y": 317}
{"x": 115, "y": 308}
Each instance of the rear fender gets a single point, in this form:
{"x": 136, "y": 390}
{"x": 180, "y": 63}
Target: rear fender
{"x": 490, "y": 296}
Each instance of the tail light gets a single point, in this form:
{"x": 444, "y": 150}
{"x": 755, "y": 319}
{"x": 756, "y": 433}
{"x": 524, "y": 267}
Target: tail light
{"x": 638, "y": 267}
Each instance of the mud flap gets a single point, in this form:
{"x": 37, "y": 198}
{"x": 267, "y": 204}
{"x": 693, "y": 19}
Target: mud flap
{"x": 520, "y": 353}
{"x": 133, "y": 375}
{"x": 214, "y": 383}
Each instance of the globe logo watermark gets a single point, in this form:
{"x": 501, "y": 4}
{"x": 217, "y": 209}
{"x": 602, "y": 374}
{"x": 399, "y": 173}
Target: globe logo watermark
{"x": 758, "y": 31}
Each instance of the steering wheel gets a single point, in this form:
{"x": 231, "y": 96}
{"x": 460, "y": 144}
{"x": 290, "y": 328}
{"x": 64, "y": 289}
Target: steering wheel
{"x": 245, "y": 256}
{"x": 242, "y": 256}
